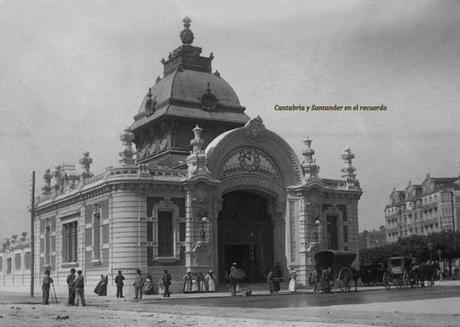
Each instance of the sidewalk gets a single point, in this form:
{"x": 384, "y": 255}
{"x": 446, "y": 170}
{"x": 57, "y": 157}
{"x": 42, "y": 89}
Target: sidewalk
{"x": 220, "y": 294}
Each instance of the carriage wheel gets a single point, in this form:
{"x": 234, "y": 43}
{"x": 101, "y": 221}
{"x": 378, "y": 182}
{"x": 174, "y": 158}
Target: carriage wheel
{"x": 386, "y": 280}
{"x": 344, "y": 279}
{"x": 405, "y": 280}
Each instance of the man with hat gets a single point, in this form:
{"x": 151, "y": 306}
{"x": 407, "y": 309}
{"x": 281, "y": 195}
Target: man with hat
{"x": 166, "y": 283}
{"x": 71, "y": 286}
{"x": 138, "y": 285}
{"x": 46, "y": 284}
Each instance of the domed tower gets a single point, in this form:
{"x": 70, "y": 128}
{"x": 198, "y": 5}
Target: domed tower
{"x": 188, "y": 94}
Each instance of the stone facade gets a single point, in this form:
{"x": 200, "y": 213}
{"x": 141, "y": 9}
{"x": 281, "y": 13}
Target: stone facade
{"x": 231, "y": 191}
{"x": 433, "y": 206}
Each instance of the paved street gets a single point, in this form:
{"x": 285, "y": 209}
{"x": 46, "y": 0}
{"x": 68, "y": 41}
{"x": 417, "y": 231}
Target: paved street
{"x": 436, "y": 306}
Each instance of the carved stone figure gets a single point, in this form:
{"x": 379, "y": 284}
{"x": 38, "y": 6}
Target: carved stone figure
{"x": 85, "y": 163}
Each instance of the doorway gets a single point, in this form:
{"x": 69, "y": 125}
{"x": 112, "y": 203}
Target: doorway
{"x": 245, "y": 235}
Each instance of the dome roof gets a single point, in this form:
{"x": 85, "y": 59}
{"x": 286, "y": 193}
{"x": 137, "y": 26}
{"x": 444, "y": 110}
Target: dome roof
{"x": 189, "y": 89}
{"x": 189, "y": 86}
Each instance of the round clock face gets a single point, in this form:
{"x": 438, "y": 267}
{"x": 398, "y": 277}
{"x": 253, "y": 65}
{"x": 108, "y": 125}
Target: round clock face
{"x": 249, "y": 159}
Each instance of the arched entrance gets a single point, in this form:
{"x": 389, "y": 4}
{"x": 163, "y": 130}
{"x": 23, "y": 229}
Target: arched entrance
{"x": 245, "y": 234}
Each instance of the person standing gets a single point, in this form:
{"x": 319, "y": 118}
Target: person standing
{"x": 187, "y": 282}
{"x": 202, "y": 282}
{"x": 101, "y": 287}
{"x": 71, "y": 286}
{"x": 270, "y": 282}
{"x": 195, "y": 283}
{"x": 46, "y": 284}
{"x": 80, "y": 289}
{"x": 234, "y": 278}
{"x": 292, "y": 279}
{"x": 276, "y": 277}
{"x": 210, "y": 281}
{"x": 166, "y": 280}
{"x": 138, "y": 285}
{"x": 119, "y": 282}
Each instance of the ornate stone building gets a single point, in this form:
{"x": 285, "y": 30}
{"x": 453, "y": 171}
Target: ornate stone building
{"x": 231, "y": 191}
{"x": 433, "y": 206}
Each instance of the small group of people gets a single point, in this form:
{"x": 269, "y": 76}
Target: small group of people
{"x": 145, "y": 285}
{"x": 275, "y": 277}
{"x": 197, "y": 282}
{"x": 76, "y": 288}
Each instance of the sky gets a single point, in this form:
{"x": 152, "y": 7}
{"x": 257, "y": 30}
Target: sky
{"x": 73, "y": 74}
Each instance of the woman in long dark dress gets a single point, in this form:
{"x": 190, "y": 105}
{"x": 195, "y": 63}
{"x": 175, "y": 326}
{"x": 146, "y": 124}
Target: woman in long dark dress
{"x": 101, "y": 287}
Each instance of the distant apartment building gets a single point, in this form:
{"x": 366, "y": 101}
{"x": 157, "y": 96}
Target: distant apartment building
{"x": 433, "y": 206}
{"x": 372, "y": 239}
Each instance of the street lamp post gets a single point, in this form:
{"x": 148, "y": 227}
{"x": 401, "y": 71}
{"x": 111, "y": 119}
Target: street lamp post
{"x": 317, "y": 227}
{"x": 204, "y": 221}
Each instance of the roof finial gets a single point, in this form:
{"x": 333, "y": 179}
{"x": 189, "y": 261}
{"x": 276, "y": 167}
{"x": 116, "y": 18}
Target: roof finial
{"x": 309, "y": 165}
{"x": 186, "y": 35}
{"x": 349, "y": 172}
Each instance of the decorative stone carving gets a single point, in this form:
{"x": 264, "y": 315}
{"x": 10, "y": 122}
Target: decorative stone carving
{"x": 154, "y": 142}
{"x": 197, "y": 142}
{"x": 47, "y": 179}
{"x": 127, "y": 155}
{"x": 60, "y": 178}
{"x": 85, "y": 163}
{"x": 208, "y": 100}
{"x": 309, "y": 166}
{"x": 143, "y": 170}
{"x": 196, "y": 161}
{"x": 186, "y": 35}
{"x": 150, "y": 104}
{"x": 349, "y": 171}
{"x": 254, "y": 128}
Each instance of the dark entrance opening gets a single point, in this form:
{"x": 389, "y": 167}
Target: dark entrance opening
{"x": 332, "y": 237}
{"x": 245, "y": 235}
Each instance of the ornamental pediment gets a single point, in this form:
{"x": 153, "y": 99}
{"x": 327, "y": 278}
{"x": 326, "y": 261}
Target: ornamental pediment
{"x": 248, "y": 159}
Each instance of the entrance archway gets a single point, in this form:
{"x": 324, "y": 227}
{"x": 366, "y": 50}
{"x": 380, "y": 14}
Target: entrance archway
{"x": 245, "y": 234}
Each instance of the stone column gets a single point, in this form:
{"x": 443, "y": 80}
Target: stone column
{"x": 201, "y": 210}
{"x": 129, "y": 251}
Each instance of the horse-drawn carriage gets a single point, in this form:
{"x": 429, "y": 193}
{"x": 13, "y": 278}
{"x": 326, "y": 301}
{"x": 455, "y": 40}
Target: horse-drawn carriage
{"x": 371, "y": 273}
{"x": 397, "y": 272}
{"x": 333, "y": 269}
{"x": 404, "y": 272}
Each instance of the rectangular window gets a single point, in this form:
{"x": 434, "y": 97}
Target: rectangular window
{"x": 331, "y": 233}
{"x": 70, "y": 242}
{"x": 96, "y": 235}
{"x": 150, "y": 255}
{"x": 8, "y": 266}
{"x": 47, "y": 244}
{"x": 165, "y": 234}
{"x": 149, "y": 231}
{"x": 27, "y": 260}
{"x": 345, "y": 234}
{"x": 17, "y": 262}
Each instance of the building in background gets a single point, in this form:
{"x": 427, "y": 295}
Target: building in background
{"x": 433, "y": 206}
{"x": 372, "y": 239}
{"x": 209, "y": 187}
{"x": 15, "y": 261}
